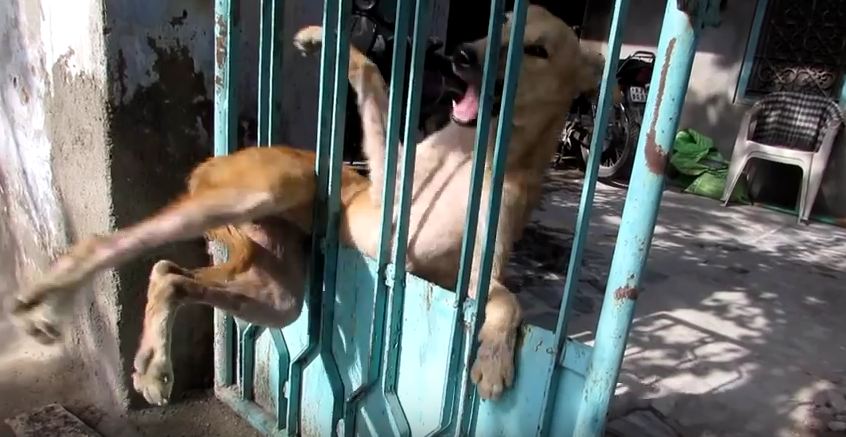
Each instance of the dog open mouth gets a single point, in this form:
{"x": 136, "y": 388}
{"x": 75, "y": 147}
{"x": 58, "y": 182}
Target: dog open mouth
{"x": 465, "y": 109}
{"x": 466, "y": 97}
{"x": 461, "y": 82}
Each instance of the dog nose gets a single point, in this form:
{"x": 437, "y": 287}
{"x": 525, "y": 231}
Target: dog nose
{"x": 465, "y": 57}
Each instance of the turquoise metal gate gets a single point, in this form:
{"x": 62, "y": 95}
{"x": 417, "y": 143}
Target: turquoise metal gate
{"x": 389, "y": 353}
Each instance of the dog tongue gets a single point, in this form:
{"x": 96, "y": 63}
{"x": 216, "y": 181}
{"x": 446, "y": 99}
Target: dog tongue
{"x": 466, "y": 109}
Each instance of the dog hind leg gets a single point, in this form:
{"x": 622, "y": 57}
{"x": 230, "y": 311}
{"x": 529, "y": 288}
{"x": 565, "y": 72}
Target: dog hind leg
{"x": 39, "y": 309}
{"x": 256, "y": 296}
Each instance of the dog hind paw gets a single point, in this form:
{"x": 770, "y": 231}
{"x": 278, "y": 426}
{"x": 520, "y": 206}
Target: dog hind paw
{"x": 153, "y": 377}
{"x": 309, "y": 40}
{"x": 38, "y": 317}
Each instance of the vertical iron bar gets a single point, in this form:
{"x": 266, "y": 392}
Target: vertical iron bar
{"x": 269, "y": 132}
{"x": 274, "y": 116}
{"x": 480, "y": 149}
{"x": 248, "y": 360}
{"x": 270, "y": 70}
{"x": 751, "y": 47}
{"x": 615, "y": 40}
{"x": 314, "y": 292}
{"x": 503, "y": 137}
{"x": 227, "y": 38}
{"x": 377, "y": 329}
{"x": 333, "y": 207}
{"x": 676, "y": 49}
{"x": 265, "y": 35}
{"x": 284, "y": 362}
{"x": 390, "y": 374}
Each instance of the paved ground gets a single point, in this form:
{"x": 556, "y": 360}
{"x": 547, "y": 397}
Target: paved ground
{"x": 739, "y": 329}
{"x": 32, "y": 375}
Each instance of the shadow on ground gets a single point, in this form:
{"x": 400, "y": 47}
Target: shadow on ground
{"x": 738, "y": 327}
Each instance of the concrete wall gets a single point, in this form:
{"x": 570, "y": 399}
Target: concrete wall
{"x": 709, "y": 105}
{"x": 104, "y": 107}
{"x": 52, "y": 101}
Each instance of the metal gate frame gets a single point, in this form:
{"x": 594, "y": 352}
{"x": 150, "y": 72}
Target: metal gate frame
{"x": 372, "y": 393}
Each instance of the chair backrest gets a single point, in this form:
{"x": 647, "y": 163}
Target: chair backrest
{"x": 795, "y": 120}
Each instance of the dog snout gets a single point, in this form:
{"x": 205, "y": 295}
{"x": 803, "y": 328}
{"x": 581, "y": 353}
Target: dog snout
{"x": 465, "y": 58}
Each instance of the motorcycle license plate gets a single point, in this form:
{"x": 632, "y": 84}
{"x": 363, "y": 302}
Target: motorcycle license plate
{"x": 637, "y": 94}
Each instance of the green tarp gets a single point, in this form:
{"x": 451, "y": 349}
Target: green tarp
{"x": 701, "y": 168}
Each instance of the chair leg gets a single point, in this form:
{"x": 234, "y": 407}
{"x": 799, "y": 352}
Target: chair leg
{"x": 801, "y": 213}
{"x": 812, "y": 180}
{"x": 738, "y": 163}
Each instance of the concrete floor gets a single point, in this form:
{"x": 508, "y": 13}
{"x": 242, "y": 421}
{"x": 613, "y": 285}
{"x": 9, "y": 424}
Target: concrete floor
{"x": 738, "y": 329}
{"x": 32, "y": 375}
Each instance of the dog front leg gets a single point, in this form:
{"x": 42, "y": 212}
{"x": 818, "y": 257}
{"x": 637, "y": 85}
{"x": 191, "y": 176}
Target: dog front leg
{"x": 493, "y": 369}
{"x": 370, "y": 87}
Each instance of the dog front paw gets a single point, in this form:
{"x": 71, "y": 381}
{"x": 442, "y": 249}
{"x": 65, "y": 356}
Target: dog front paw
{"x": 309, "y": 40}
{"x": 493, "y": 370}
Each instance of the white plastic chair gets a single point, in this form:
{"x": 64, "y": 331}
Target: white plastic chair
{"x": 791, "y": 128}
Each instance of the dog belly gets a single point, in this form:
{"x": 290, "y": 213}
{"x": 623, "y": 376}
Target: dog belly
{"x": 438, "y": 217}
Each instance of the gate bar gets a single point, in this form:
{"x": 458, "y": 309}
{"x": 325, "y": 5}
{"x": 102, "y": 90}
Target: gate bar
{"x": 600, "y": 127}
{"x": 676, "y": 48}
{"x": 270, "y": 133}
{"x": 390, "y": 374}
{"x": 284, "y": 365}
{"x": 383, "y": 257}
{"x": 249, "y": 335}
{"x": 333, "y": 214}
{"x": 227, "y": 40}
{"x": 480, "y": 151}
{"x": 270, "y": 71}
{"x": 319, "y": 306}
{"x": 514, "y": 60}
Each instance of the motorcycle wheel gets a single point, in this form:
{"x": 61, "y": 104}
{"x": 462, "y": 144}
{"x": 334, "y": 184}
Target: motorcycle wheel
{"x": 617, "y": 158}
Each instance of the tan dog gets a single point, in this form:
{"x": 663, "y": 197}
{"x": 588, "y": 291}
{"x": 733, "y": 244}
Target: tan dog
{"x": 258, "y": 203}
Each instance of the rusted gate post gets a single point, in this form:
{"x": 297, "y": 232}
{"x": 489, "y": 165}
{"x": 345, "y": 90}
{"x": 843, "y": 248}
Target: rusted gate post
{"x": 683, "y": 20}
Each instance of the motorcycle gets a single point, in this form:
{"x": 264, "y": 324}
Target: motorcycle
{"x": 633, "y": 77}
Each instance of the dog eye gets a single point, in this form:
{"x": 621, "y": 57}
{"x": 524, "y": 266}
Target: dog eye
{"x": 537, "y": 51}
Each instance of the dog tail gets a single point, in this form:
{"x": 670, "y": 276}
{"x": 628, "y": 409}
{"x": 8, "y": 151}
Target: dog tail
{"x": 240, "y": 251}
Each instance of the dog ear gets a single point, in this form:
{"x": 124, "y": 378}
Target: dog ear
{"x": 589, "y": 71}
{"x": 590, "y": 75}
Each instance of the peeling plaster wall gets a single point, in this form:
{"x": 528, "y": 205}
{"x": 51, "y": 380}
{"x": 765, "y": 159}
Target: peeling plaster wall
{"x": 34, "y": 43}
{"x": 104, "y": 107}
{"x": 54, "y": 183}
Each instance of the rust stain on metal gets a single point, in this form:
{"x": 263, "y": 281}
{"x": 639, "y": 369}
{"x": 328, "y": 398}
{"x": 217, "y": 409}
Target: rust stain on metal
{"x": 427, "y": 297}
{"x": 629, "y": 293}
{"x": 220, "y": 52}
{"x": 656, "y": 158}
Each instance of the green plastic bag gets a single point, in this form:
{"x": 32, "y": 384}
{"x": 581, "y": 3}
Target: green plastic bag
{"x": 702, "y": 168}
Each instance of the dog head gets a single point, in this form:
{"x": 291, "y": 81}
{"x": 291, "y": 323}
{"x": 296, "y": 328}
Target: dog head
{"x": 554, "y": 69}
